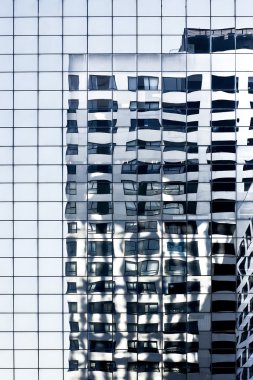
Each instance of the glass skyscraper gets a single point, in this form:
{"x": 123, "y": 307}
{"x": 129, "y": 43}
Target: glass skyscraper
{"x": 126, "y": 198}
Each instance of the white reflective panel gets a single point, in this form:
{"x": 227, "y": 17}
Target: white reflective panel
{"x": 26, "y": 340}
{"x": 50, "y": 25}
{"x": 25, "y": 192}
{"x": 173, "y": 25}
{"x": 147, "y": 25}
{"x": 25, "y": 44}
{"x": 26, "y": 8}
{"x": 124, "y": 25}
{"x": 124, "y": 44}
{"x": 25, "y": 81}
{"x": 56, "y": 373}
{"x": 51, "y": 359}
{"x": 53, "y": 139}
{"x": 227, "y": 8}
{"x": 6, "y": 100}
{"x": 244, "y": 8}
{"x": 50, "y": 7}
{"x": 50, "y": 99}
{"x": 26, "y": 26}
{"x": 75, "y": 45}
{"x": 147, "y": 44}
{"x": 50, "y": 44}
{"x": 49, "y": 322}
{"x": 25, "y": 99}
{"x": 25, "y": 322}
{"x": 6, "y": 27}
{"x": 25, "y": 62}
{"x": 6, "y": 45}
{"x": 26, "y": 361}
{"x": 7, "y": 248}
{"x": 99, "y": 7}
{"x": 25, "y": 303}
{"x": 74, "y": 26}
{"x": 25, "y": 229}
{"x": 50, "y": 210}
{"x": 25, "y": 173}
{"x": 28, "y": 374}
{"x": 6, "y": 192}
{"x": 50, "y": 62}
{"x": 76, "y": 8}
{"x": 99, "y": 26}
{"x": 46, "y": 284}
{"x": 49, "y": 155}
{"x": 5, "y": 156}
{"x": 203, "y": 22}
{"x": 100, "y": 44}
{"x": 50, "y": 118}
{"x": 198, "y": 7}
{"x": 6, "y": 267}
{"x": 169, "y": 8}
{"x": 149, "y": 8}
{"x": 6, "y": 357}
{"x": 6, "y": 63}
{"x": 121, "y": 8}
{"x": 244, "y": 22}
{"x": 25, "y": 267}
{"x": 50, "y": 173}
{"x": 25, "y": 247}
{"x": 24, "y": 155}
{"x": 50, "y": 247}
{"x": 50, "y": 81}
{"x": 222, "y": 22}
{"x": 26, "y": 285}
{"x": 6, "y": 82}
{"x": 50, "y": 229}
{"x": 7, "y": 10}
{"x": 25, "y": 211}
{"x": 100, "y": 62}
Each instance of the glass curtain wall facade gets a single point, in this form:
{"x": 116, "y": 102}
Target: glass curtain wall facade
{"x": 126, "y": 196}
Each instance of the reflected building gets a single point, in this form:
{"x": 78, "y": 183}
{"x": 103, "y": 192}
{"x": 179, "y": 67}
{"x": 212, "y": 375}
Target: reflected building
{"x": 126, "y": 189}
{"x": 159, "y": 164}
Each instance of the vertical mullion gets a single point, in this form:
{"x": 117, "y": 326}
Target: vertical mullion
{"x": 38, "y": 226}
{"x": 13, "y": 192}
{"x": 62, "y": 193}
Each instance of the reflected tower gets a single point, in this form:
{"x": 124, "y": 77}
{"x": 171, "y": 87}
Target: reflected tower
{"x": 157, "y": 153}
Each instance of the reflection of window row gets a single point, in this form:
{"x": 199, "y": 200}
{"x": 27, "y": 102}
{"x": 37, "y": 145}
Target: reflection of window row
{"x": 149, "y": 188}
{"x": 102, "y": 126}
{"x": 104, "y": 248}
{"x": 134, "y": 208}
{"x": 149, "y": 247}
{"x": 176, "y": 227}
{"x": 169, "y": 84}
{"x": 142, "y": 308}
{"x": 102, "y": 105}
{"x": 169, "y": 288}
{"x": 143, "y": 268}
{"x": 188, "y": 108}
{"x": 206, "y": 41}
{"x": 157, "y": 208}
{"x": 188, "y": 147}
{"x": 140, "y": 167}
{"x": 140, "y": 366}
